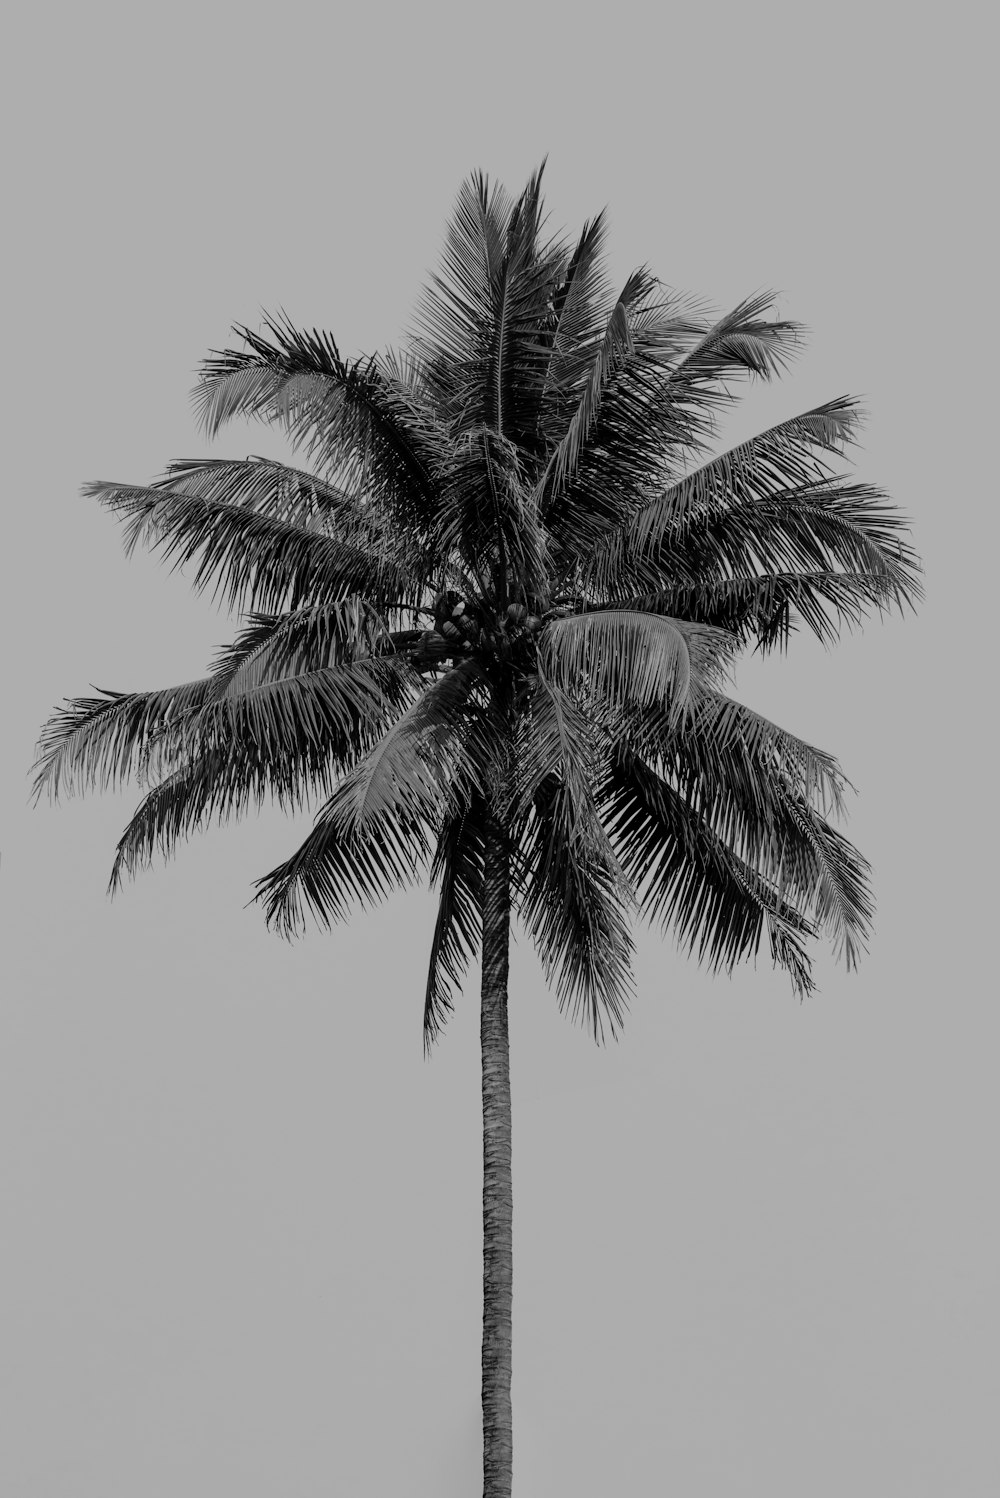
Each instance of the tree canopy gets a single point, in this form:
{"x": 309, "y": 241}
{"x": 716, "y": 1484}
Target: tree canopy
{"x": 510, "y": 578}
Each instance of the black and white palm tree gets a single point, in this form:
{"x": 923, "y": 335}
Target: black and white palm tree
{"x": 490, "y": 622}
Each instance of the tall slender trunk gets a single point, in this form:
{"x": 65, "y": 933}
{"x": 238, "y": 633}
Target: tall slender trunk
{"x": 498, "y": 1248}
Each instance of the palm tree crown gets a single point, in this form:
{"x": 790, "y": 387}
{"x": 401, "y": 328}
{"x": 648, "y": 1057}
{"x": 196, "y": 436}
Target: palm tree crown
{"x": 508, "y": 585}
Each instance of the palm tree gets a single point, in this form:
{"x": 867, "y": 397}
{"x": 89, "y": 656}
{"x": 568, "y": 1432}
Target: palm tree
{"x": 491, "y": 623}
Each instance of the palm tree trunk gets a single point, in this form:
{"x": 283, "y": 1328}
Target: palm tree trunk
{"x": 498, "y": 1251}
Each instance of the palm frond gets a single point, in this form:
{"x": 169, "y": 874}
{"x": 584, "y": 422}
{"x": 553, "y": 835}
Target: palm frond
{"x": 96, "y": 743}
{"x": 487, "y": 517}
{"x": 253, "y": 558}
{"x": 442, "y": 750}
{"x": 334, "y": 866}
{"x": 438, "y": 754}
{"x": 827, "y": 526}
{"x": 765, "y": 610}
{"x": 691, "y": 881}
{"x": 765, "y": 794}
{"x": 284, "y": 737}
{"x": 458, "y": 866}
{"x": 629, "y": 658}
{"x": 572, "y": 899}
{"x": 557, "y": 740}
{"x": 785, "y": 456}
{"x": 609, "y": 358}
{"x": 578, "y": 318}
{"x": 314, "y": 638}
{"x": 266, "y": 487}
{"x": 357, "y": 418}
{"x": 743, "y": 341}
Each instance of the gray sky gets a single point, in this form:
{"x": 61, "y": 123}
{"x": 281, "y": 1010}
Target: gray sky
{"x": 755, "y": 1242}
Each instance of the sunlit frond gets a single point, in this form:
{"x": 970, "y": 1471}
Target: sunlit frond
{"x": 443, "y": 747}
{"x": 629, "y": 659}
{"x": 358, "y": 419}
{"x": 268, "y": 488}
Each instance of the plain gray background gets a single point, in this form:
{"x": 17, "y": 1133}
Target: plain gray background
{"x": 756, "y": 1242}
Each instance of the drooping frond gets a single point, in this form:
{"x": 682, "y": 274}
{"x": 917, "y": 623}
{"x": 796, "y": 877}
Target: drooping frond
{"x": 443, "y": 749}
{"x": 557, "y": 740}
{"x": 254, "y": 560}
{"x": 332, "y": 867}
{"x": 691, "y": 881}
{"x": 574, "y": 902}
{"x": 723, "y": 741}
{"x": 743, "y": 341}
{"x": 433, "y": 758}
{"x": 766, "y": 793}
{"x": 284, "y": 737}
{"x": 458, "y": 867}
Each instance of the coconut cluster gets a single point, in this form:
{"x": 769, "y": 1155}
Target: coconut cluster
{"x": 459, "y": 626}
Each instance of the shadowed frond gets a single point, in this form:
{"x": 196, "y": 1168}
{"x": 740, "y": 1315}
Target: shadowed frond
{"x": 572, "y": 900}
{"x": 433, "y": 759}
{"x": 766, "y": 609}
{"x": 488, "y": 518}
{"x": 333, "y": 867}
{"x": 458, "y": 866}
{"x": 557, "y": 740}
{"x": 766, "y": 793}
{"x": 786, "y": 456}
{"x": 288, "y": 738}
{"x": 609, "y": 357}
{"x": 96, "y": 743}
{"x": 253, "y": 559}
{"x": 689, "y": 880}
